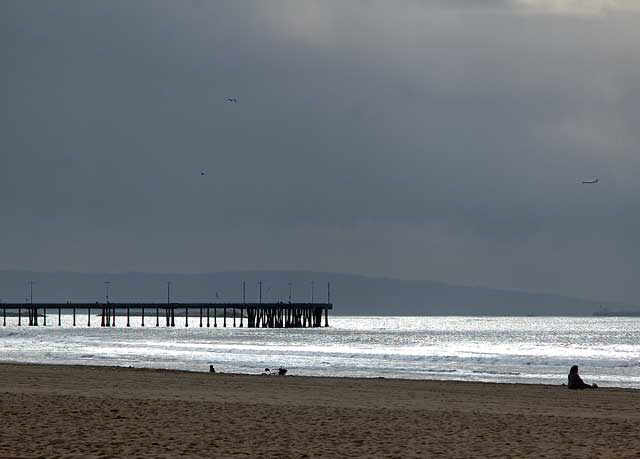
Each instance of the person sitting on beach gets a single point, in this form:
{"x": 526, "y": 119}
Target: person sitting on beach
{"x": 576, "y": 382}
{"x": 211, "y": 369}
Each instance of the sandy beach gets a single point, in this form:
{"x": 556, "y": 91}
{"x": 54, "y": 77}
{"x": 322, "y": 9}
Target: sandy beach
{"x": 96, "y": 412}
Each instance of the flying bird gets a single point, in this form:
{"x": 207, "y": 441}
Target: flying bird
{"x": 232, "y": 99}
{"x": 203, "y": 172}
{"x": 589, "y": 182}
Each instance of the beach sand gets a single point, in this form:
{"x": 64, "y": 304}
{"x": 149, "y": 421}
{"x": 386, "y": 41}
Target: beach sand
{"x": 95, "y": 412}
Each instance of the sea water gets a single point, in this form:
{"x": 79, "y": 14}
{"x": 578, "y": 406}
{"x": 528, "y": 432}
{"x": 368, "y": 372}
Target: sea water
{"x": 537, "y": 350}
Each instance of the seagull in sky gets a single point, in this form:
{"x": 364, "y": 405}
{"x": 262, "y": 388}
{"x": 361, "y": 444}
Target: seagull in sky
{"x": 232, "y": 99}
{"x": 203, "y": 172}
{"x": 589, "y": 182}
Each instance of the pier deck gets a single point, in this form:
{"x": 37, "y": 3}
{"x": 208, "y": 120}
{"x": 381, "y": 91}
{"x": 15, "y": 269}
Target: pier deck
{"x": 256, "y": 315}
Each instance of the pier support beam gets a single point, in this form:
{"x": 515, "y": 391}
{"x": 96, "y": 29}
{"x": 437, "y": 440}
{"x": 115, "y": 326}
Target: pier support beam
{"x": 259, "y": 315}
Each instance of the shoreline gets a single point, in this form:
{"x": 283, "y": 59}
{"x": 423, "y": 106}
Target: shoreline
{"x": 78, "y": 411}
{"x": 258, "y": 372}
{"x": 289, "y": 375}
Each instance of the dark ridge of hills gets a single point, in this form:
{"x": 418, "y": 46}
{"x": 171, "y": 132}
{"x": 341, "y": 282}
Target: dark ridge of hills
{"x": 351, "y": 294}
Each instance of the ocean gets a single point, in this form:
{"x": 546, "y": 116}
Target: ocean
{"x": 536, "y": 350}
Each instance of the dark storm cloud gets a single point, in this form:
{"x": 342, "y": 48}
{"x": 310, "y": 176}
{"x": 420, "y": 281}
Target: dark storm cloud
{"x": 415, "y": 139}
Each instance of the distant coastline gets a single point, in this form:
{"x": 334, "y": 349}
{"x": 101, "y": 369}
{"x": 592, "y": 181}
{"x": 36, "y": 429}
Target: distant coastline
{"x": 616, "y": 313}
{"x": 351, "y": 294}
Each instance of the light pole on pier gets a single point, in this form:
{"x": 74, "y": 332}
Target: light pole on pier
{"x": 290, "y": 284}
{"x": 312, "y": 286}
{"x": 260, "y": 290}
{"x": 31, "y": 291}
{"x": 168, "y": 292}
{"x": 107, "y": 284}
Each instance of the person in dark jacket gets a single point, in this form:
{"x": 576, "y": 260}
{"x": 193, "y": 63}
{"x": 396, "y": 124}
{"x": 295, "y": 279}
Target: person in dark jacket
{"x": 576, "y": 382}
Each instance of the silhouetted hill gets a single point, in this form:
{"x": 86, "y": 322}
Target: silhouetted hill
{"x": 351, "y": 294}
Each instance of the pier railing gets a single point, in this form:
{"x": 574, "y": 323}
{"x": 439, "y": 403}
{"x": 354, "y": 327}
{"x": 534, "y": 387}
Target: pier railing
{"x": 255, "y": 315}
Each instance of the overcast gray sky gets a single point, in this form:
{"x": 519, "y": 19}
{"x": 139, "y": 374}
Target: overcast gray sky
{"x": 415, "y": 139}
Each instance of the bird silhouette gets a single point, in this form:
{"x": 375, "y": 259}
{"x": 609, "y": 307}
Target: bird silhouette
{"x": 232, "y": 99}
{"x": 590, "y": 182}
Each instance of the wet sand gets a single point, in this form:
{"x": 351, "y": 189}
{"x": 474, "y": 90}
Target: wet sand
{"x": 98, "y": 412}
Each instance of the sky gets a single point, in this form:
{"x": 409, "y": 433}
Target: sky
{"x": 413, "y": 139}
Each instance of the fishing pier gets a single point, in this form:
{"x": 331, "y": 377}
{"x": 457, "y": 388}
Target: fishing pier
{"x": 250, "y": 315}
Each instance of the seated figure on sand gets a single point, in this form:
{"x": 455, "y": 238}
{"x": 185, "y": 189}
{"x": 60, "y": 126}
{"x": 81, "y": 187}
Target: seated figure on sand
{"x": 576, "y": 382}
